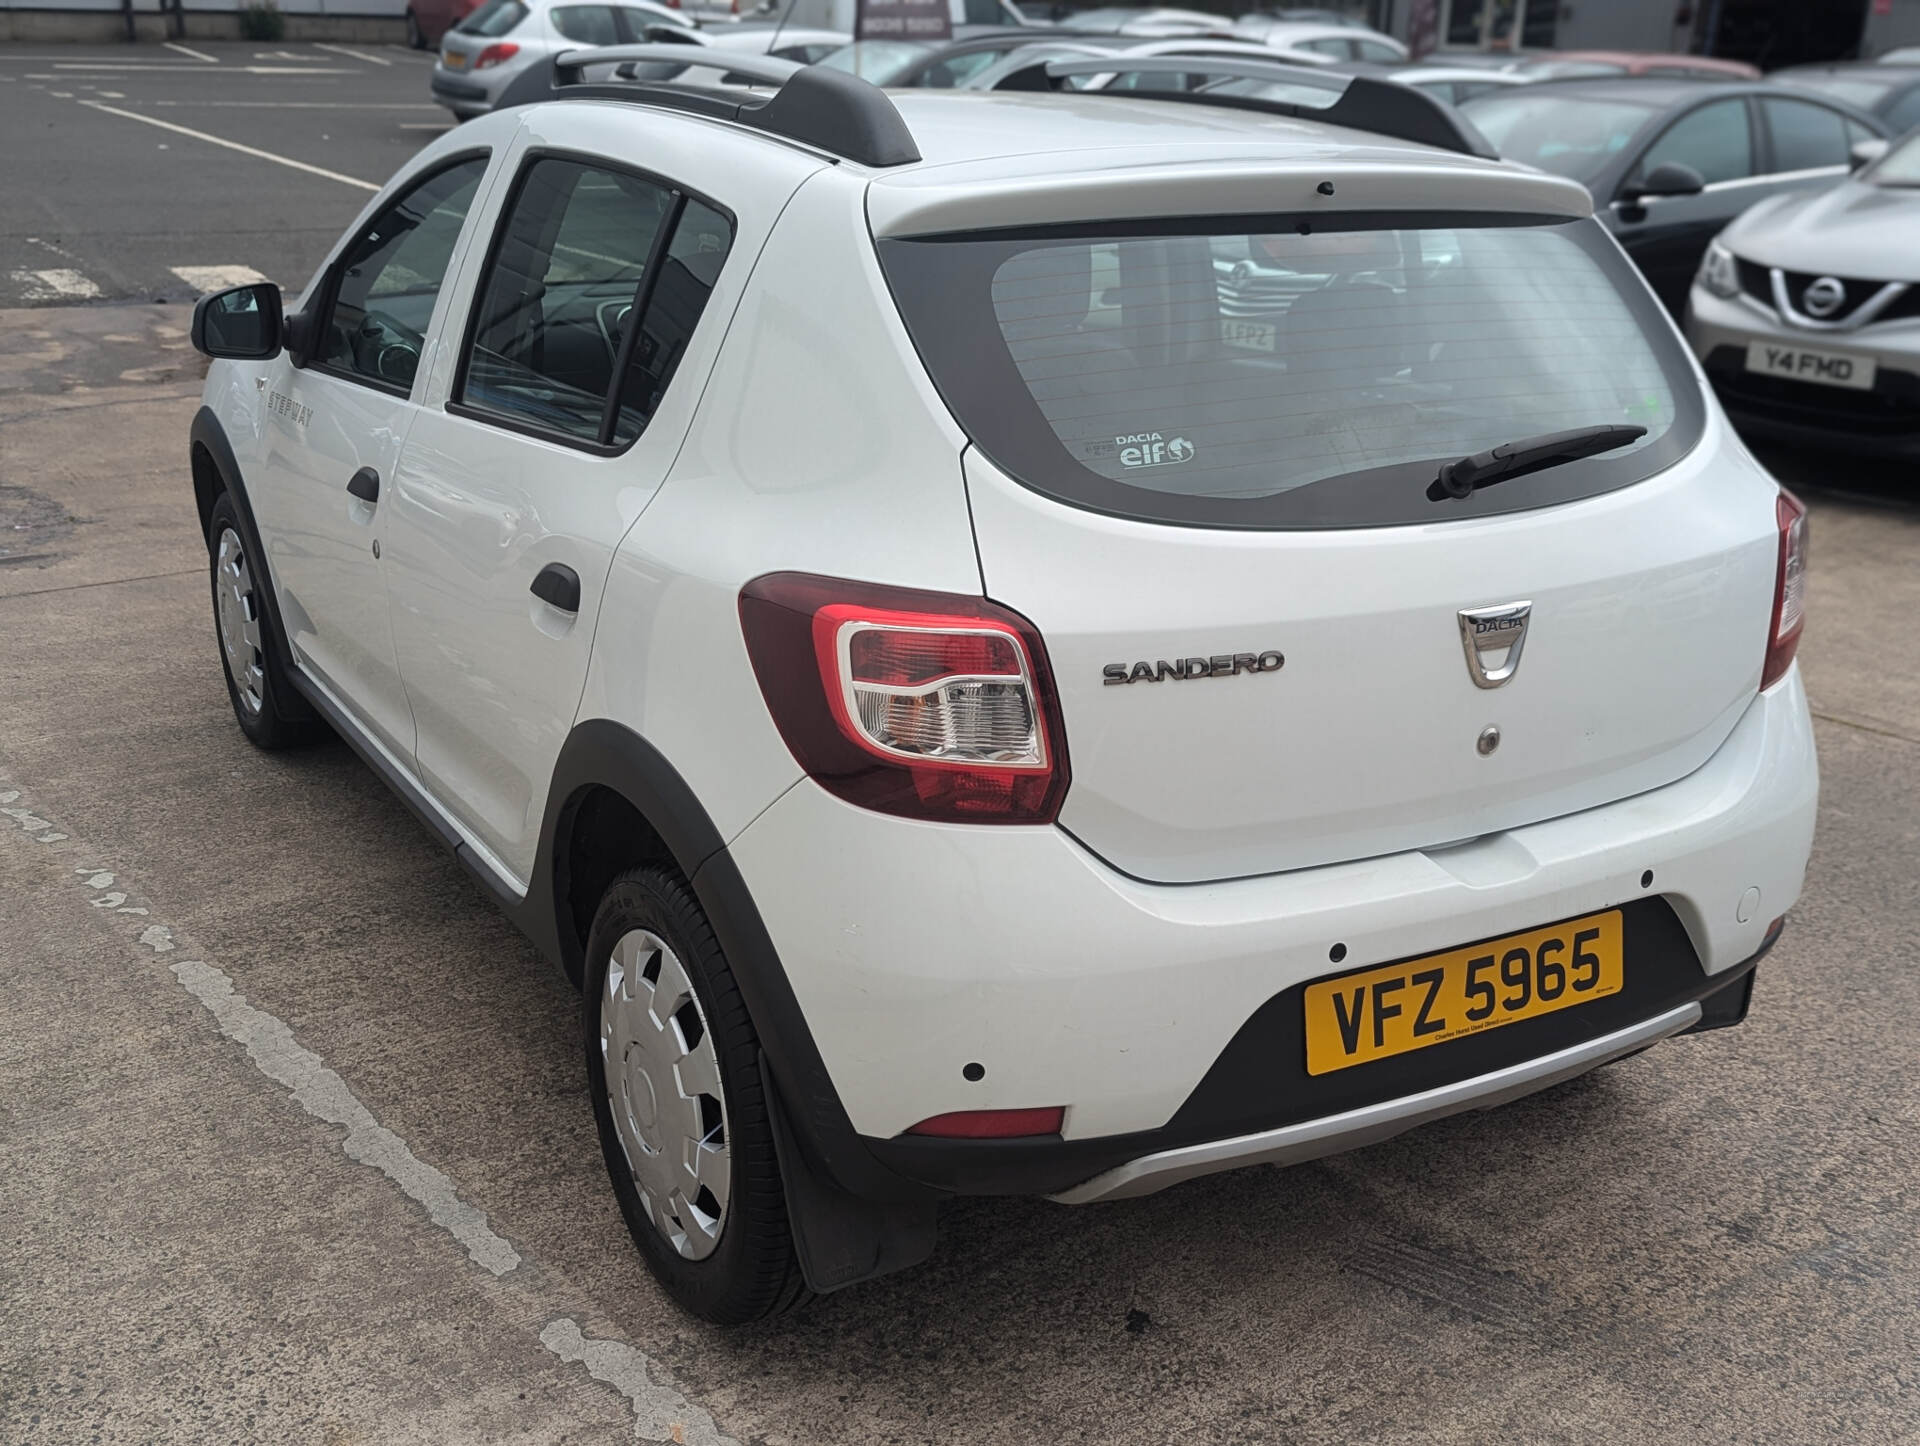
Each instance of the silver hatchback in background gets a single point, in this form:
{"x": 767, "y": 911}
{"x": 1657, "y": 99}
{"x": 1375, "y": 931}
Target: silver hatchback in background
{"x": 1806, "y": 311}
{"x": 481, "y": 55}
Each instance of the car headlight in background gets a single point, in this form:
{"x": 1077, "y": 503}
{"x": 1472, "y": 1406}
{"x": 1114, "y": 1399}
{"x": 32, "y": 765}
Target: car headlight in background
{"x": 1718, "y": 272}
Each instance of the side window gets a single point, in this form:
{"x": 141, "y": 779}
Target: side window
{"x": 1716, "y": 140}
{"x": 956, "y": 70}
{"x": 1338, "y": 49}
{"x": 573, "y": 260}
{"x": 391, "y": 275}
{"x": 1805, "y": 135}
{"x": 671, "y": 310}
{"x": 1374, "y": 50}
{"x": 1905, "y": 113}
{"x": 588, "y": 24}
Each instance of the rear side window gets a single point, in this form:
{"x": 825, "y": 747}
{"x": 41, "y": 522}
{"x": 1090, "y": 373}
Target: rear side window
{"x": 1251, "y": 375}
{"x": 582, "y": 250}
{"x": 1805, "y": 136}
{"x": 588, "y": 24}
{"x": 1904, "y": 114}
{"x": 496, "y": 17}
{"x": 1374, "y": 50}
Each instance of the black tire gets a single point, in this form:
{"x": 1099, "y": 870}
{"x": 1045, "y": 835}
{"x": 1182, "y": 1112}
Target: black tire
{"x": 265, "y": 705}
{"x": 752, "y": 1271}
{"x": 416, "y": 37}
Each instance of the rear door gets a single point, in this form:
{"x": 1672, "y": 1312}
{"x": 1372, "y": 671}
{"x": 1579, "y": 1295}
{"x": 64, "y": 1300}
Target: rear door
{"x": 1261, "y": 623}
{"x": 594, "y": 316}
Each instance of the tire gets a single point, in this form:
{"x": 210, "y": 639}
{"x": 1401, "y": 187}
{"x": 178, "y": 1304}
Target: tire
{"x": 416, "y": 37}
{"x": 728, "y": 1265}
{"x": 264, "y": 702}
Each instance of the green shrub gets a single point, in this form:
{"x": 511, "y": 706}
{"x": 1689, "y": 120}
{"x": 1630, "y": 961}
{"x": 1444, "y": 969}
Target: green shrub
{"x": 262, "y": 20}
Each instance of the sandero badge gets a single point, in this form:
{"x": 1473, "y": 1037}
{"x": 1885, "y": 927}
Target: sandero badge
{"x": 1217, "y": 665}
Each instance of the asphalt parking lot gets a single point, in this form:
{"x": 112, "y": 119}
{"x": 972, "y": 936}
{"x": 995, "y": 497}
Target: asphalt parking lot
{"x": 294, "y": 1126}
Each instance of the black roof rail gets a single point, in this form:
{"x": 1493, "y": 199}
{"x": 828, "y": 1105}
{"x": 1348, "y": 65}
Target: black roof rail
{"x": 1383, "y": 107}
{"x": 827, "y": 109}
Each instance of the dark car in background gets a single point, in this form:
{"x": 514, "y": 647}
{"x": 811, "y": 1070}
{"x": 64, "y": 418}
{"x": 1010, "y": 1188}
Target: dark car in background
{"x": 1672, "y": 161}
{"x": 1891, "y": 92}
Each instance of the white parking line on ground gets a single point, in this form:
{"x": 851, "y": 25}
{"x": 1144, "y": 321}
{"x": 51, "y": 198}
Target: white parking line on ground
{"x": 285, "y": 104}
{"x": 89, "y": 67}
{"x": 55, "y": 284}
{"x": 233, "y": 145}
{"x": 208, "y": 279}
{"x": 661, "y": 1412}
{"x": 189, "y": 50}
{"x": 356, "y": 54}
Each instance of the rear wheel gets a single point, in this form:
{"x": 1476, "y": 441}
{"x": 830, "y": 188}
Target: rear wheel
{"x": 673, "y": 1070}
{"x": 416, "y": 37}
{"x": 257, "y": 686}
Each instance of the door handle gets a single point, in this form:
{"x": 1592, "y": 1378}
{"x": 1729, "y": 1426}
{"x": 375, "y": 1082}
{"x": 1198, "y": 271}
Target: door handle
{"x": 558, "y": 586}
{"x": 365, "y": 484}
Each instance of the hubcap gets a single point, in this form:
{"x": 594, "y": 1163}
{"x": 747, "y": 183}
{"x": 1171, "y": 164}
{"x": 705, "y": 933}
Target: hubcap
{"x": 663, "y": 1082}
{"x": 238, "y": 610}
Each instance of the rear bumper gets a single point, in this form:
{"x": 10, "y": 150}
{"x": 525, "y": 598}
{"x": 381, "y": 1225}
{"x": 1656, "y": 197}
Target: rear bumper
{"x": 1883, "y": 422}
{"x": 1165, "y": 1018}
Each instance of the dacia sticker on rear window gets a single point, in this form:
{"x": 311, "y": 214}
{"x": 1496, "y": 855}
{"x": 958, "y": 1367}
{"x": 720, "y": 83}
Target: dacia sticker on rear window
{"x": 1151, "y": 449}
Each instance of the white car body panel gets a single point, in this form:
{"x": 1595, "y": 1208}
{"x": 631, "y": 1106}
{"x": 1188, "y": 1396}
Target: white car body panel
{"x": 917, "y": 947}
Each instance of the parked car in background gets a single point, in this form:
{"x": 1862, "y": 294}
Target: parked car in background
{"x": 1806, "y": 312}
{"x": 1144, "y": 22}
{"x": 1571, "y": 64}
{"x": 1456, "y": 85}
{"x": 939, "y": 67}
{"x": 481, "y": 56}
{"x": 1891, "y": 92}
{"x": 428, "y": 20}
{"x": 1010, "y": 72}
{"x": 1671, "y": 161}
{"x": 1336, "y": 42}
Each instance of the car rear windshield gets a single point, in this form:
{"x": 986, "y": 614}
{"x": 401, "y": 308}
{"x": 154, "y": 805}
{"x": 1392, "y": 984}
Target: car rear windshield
{"x": 1274, "y": 372}
{"x": 496, "y": 17}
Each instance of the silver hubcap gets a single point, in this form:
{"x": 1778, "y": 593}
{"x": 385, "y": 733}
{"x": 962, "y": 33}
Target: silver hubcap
{"x": 663, "y": 1081}
{"x": 239, "y": 612}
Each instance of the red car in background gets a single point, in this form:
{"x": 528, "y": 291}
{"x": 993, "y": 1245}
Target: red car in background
{"x": 1563, "y": 64}
{"x": 428, "y": 20}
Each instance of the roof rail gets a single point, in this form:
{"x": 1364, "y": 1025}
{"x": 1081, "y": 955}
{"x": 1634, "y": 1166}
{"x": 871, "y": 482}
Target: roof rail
{"x": 814, "y": 105}
{"x": 1383, "y": 107}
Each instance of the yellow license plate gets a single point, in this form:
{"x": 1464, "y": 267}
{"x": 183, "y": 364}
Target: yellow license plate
{"x": 1400, "y": 1007}
{"x": 453, "y": 60}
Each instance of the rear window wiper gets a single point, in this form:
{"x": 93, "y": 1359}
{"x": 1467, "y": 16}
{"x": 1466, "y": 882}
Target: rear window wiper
{"x": 1464, "y": 477}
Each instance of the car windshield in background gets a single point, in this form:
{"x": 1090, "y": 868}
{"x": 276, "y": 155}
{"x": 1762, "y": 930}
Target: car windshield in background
{"x": 1569, "y": 135}
{"x": 1900, "y": 166}
{"x": 496, "y": 17}
{"x": 1255, "y": 376}
{"x": 880, "y": 62}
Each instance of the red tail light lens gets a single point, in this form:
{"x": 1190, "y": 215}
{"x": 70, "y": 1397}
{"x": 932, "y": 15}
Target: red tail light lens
{"x": 928, "y": 705}
{"x": 496, "y": 54}
{"x": 1789, "y": 589}
{"x": 993, "y": 1124}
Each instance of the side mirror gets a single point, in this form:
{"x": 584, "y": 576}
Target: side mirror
{"x": 243, "y": 322}
{"x": 1670, "y": 178}
{"x": 1865, "y": 153}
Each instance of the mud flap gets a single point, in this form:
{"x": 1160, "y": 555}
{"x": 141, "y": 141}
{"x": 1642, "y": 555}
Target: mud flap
{"x": 840, "y": 1238}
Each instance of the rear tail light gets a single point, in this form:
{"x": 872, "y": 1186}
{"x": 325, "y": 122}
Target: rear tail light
{"x": 929, "y": 705}
{"x": 495, "y": 54}
{"x": 1789, "y": 589}
{"x": 993, "y": 1124}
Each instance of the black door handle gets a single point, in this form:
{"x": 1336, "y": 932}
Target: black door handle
{"x": 558, "y": 586}
{"x": 365, "y": 484}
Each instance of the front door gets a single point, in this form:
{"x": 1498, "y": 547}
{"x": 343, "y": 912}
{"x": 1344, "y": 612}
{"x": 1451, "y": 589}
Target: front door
{"x": 335, "y": 428}
{"x": 510, "y": 500}
{"x": 1666, "y": 235}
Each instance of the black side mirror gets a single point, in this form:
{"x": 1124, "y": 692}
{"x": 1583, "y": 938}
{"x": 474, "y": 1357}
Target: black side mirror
{"x": 1670, "y": 178}
{"x": 243, "y": 322}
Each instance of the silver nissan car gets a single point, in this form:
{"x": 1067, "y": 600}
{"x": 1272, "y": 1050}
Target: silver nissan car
{"x": 1806, "y": 311}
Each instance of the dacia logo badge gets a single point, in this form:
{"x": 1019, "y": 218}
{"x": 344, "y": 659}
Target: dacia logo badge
{"x": 1493, "y": 638}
